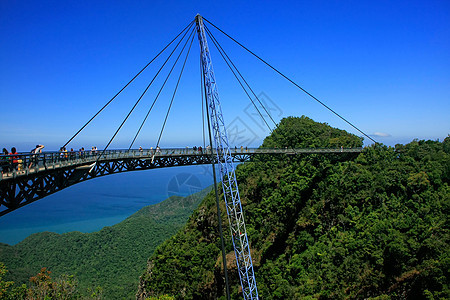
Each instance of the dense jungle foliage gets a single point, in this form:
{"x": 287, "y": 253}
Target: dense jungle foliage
{"x": 367, "y": 226}
{"x": 109, "y": 260}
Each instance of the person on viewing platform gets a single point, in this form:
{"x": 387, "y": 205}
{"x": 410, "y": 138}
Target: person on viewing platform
{"x": 4, "y": 163}
{"x": 94, "y": 150}
{"x": 82, "y": 152}
{"x": 34, "y": 157}
{"x": 14, "y": 158}
{"x": 61, "y": 152}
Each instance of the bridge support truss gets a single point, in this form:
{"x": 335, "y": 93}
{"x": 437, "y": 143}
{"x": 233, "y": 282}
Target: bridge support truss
{"x": 226, "y": 167}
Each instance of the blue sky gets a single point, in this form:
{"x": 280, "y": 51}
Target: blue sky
{"x": 384, "y": 65}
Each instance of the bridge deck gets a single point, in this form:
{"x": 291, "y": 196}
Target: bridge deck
{"x": 51, "y": 172}
{"x": 54, "y": 160}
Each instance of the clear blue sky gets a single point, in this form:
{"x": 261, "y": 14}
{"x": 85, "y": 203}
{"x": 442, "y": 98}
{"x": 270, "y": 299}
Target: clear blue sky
{"x": 384, "y": 65}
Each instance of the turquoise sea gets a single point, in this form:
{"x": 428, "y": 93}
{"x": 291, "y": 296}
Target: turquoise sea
{"x": 105, "y": 201}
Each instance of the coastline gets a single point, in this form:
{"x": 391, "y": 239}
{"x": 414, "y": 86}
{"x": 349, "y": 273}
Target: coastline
{"x": 104, "y": 201}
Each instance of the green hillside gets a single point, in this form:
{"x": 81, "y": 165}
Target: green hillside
{"x": 112, "y": 258}
{"x": 368, "y": 226}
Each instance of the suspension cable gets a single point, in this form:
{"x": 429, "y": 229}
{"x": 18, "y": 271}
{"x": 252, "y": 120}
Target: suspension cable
{"x": 251, "y": 100}
{"x": 137, "y": 102}
{"x": 291, "y": 81}
{"x": 189, "y": 25}
{"x": 217, "y": 44}
{"x": 174, "y": 92}
{"x": 162, "y": 87}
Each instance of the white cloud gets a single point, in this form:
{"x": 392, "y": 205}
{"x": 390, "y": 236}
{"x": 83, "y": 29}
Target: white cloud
{"x": 381, "y": 134}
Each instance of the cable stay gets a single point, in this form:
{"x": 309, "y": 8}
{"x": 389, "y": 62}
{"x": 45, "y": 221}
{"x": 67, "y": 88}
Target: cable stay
{"x": 233, "y": 67}
{"x": 137, "y": 102}
{"x": 123, "y": 88}
{"x": 160, "y": 90}
{"x": 175, "y": 91}
{"x": 291, "y": 81}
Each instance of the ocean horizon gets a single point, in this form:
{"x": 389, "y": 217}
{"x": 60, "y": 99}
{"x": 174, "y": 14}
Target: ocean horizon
{"x": 104, "y": 201}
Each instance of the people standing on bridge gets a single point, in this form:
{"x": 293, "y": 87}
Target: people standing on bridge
{"x": 61, "y": 153}
{"x": 34, "y": 157}
{"x": 82, "y": 152}
{"x": 242, "y": 149}
{"x": 4, "y": 163}
{"x": 200, "y": 149}
{"x": 14, "y": 158}
{"x": 93, "y": 150}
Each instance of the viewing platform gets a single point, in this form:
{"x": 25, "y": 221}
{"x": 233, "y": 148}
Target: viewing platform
{"x": 57, "y": 160}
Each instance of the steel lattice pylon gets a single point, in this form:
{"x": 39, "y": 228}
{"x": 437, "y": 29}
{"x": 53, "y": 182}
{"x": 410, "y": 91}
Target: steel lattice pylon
{"x": 228, "y": 176}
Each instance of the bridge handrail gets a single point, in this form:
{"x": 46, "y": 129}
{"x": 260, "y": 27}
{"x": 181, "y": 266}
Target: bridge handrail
{"x": 28, "y": 162}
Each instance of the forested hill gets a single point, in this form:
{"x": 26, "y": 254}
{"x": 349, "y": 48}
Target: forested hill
{"x": 370, "y": 226}
{"x": 112, "y": 258}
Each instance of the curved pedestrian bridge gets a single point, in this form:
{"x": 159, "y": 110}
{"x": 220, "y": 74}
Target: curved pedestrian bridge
{"x": 27, "y": 177}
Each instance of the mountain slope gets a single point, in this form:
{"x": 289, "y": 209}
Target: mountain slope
{"x": 112, "y": 258}
{"x": 323, "y": 227}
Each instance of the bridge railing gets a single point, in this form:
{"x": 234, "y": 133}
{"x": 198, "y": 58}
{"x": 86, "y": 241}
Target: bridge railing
{"x": 13, "y": 165}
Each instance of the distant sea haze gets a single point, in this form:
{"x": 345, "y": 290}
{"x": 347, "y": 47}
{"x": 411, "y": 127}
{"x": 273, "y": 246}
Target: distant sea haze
{"x": 91, "y": 205}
